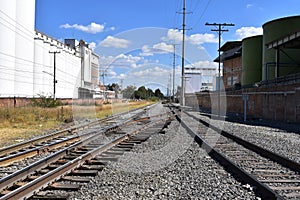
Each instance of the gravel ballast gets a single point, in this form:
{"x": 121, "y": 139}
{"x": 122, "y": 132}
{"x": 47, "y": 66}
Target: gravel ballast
{"x": 166, "y": 166}
{"x": 277, "y": 140}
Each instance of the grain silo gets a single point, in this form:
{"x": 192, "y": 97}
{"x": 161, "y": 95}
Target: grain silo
{"x": 281, "y": 42}
{"x": 252, "y": 60}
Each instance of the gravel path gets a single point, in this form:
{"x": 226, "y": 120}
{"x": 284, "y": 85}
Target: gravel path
{"x": 278, "y": 139}
{"x": 166, "y": 166}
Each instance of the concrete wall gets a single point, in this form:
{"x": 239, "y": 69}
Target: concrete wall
{"x": 280, "y": 103}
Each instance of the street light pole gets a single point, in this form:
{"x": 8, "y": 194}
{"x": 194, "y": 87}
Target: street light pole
{"x": 54, "y": 72}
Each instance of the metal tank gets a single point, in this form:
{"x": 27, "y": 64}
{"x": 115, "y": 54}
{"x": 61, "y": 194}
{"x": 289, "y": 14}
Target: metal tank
{"x": 289, "y": 58}
{"x": 252, "y": 60}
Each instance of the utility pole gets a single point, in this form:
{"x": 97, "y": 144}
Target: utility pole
{"x": 174, "y": 63}
{"x": 182, "y": 56}
{"x": 103, "y": 75}
{"x": 169, "y": 87}
{"x": 54, "y": 73}
{"x": 220, "y": 29}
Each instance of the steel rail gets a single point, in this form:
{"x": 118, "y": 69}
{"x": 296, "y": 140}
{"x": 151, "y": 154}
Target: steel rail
{"x": 5, "y": 161}
{"x": 43, "y": 181}
{"x": 10, "y": 179}
{"x": 16, "y": 147}
{"x": 261, "y": 188}
{"x": 284, "y": 161}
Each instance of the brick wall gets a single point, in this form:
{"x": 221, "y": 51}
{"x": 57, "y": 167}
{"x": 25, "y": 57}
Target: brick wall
{"x": 274, "y": 102}
{"x": 23, "y": 102}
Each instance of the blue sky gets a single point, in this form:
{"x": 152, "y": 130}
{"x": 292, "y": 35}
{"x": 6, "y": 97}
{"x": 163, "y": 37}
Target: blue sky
{"x": 133, "y": 38}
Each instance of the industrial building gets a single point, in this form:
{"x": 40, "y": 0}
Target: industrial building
{"x": 263, "y": 58}
{"x": 261, "y": 74}
{"x": 33, "y": 63}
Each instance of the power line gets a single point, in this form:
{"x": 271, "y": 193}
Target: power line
{"x": 202, "y": 14}
{"x": 220, "y": 29}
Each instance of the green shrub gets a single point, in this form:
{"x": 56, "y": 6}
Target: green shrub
{"x": 45, "y": 102}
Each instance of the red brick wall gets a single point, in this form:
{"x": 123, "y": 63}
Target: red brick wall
{"x": 276, "y": 103}
{"x": 22, "y": 102}
{"x": 231, "y": 68}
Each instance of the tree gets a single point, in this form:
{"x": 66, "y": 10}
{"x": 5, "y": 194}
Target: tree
{"x": 158, "y": 93}
{"x": 142, "y": 92}
{"x": 113, "y": 87}
{"x": 128, "y": 92}
{"x": 150, "y": 93}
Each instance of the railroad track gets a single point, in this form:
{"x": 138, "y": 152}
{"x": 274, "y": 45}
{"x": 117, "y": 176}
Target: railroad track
{"x": 60, "y": 139}
{"x": 79, "y": 160}
{"x": 272, "y": 175}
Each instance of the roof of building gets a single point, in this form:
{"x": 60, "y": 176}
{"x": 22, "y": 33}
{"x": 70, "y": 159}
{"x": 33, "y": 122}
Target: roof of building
{"x": 231, "y": 49}
{"x": 291, "y": 40}
{"x": 230, "y": 45}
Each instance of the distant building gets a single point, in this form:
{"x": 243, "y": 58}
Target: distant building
{"x": 199, "y": 79}
{"x": 89, "y": 72}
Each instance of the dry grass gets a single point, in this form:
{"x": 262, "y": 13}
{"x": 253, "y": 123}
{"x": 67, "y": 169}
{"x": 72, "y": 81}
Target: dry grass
{"x": 19, "y": 124}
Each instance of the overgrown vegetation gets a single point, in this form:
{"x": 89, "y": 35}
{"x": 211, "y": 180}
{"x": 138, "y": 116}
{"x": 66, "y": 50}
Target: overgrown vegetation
{"x": 45, "y": 101}
{"x": 17, "y": 124}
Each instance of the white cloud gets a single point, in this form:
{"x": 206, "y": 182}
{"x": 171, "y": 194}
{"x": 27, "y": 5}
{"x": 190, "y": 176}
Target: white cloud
{"x": 91, "y": 28}
{"x": 160, "y": 48}
{"x": 249, "y": 5}
{"x": 203, "y": 38}
{"x": 111, "y": 41}
{"x": 146, "y": 51}
{"x": 152, "y": 72}
{"x": 165, "y": 48}
{"x": 195, "y": 39}
{"x": 173, "y": 35}
{"x": 121, "y": 61}
{"x": 248, "y": 32}
{"x": 203, "y": 64}
{"x": 92, "y": 45}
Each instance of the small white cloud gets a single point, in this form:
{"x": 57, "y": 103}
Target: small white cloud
{"x": 92, "y": 45}
{"x": 160, "y": 48}
{"x": 111, "y": 41}
{"x": 91, "y": 28}
{"x": 249, "y": 5}
{"x": 245, "y": 32}
{"x": 146, "y": 51}
{"x": 198, "y": 39}
{"x": 165, "y": 48}
{"x": 195, "y": 39}
{"x": 204, "y": 64}
{"x": 173, "y": 35}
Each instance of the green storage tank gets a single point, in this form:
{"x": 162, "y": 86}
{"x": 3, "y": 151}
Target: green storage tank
{"x": 289, "y": 58}
{"x": 252, "y": 60}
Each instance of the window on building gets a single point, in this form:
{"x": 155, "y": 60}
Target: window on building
{"x": 229, "y": 80}
{"x": 234, "y": 80}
